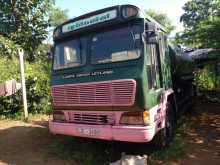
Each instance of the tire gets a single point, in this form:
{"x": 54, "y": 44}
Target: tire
{"x": 165, "y": 136}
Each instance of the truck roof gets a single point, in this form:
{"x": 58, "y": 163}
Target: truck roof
{"x": 141, "y": 15}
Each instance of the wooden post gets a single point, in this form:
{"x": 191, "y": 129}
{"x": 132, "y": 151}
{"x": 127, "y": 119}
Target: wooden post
{"x": 24, "y": 95}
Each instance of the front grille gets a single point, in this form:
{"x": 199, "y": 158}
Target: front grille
{"x": 105, "y": 93}
{"x": 91, "y": 118}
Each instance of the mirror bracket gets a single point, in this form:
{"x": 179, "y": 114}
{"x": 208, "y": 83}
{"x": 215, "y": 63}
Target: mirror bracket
{"x": 151, "y": 33}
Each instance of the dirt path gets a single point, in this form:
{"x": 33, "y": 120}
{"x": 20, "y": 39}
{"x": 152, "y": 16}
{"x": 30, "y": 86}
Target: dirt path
{"x": 32, "y": 144}
{"x": 203, "y": 137}
{"x": 25, "y": 144}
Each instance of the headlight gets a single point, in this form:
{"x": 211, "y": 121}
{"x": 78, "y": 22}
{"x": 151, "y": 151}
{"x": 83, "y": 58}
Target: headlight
{"x": 129, "y": 11}
{"x": 135, "y": 118}
{"x": 58, "y": 116}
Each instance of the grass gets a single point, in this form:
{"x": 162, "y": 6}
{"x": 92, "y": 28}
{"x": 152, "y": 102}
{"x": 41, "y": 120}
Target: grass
{"x": 177, "y": 148}
{"x": 16, "y": 116}
{"x": 82, "y": 151}
{"x": 175, "y": 152}
{"x": 20, "y": 116}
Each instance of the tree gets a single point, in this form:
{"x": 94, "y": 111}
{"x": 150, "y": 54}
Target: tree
{"x": 201, "y": 20}
{"x": 31, "y": 22}
{"x": 57, "y": 16}
{"x": 162, "y": 18}
{"x": 208, "y": 33}
{"x": 197, "y": 11}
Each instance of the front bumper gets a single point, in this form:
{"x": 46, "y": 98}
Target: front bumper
{"x": 105, "y": 132}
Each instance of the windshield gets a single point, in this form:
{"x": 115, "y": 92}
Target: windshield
{"x": 67, "y": 54}
{"x": 118, "y": 45}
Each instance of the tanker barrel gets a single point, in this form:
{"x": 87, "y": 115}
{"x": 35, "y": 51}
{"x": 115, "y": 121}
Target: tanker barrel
{"x": 182, "y": 64}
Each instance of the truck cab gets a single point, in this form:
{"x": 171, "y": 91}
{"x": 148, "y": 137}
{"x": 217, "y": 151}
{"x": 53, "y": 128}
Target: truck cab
{"x": 111, "y": 77}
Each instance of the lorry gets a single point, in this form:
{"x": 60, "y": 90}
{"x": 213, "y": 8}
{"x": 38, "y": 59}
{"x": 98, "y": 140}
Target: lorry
{"x": 115, "y": 77}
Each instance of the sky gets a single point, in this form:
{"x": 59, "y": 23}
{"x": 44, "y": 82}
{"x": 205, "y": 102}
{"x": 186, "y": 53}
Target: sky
{"x": 173, "y": 8}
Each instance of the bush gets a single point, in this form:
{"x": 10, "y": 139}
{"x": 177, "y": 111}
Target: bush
{"x": 37, "y": 84}
{"x": 208, "y": 78}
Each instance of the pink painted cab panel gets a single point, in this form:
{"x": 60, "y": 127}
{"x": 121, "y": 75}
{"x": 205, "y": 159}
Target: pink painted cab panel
{"x": 105, "y": 132}
{"x": 111, "y": 130}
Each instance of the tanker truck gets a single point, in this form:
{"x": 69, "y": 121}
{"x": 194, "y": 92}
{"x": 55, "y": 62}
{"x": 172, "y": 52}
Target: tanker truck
{"x": 182, "y": 68}
{"x": 114, "y": 77}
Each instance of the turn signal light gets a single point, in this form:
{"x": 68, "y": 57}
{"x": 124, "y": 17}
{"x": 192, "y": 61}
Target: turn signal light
{"x": 146, "y": 117}
{"x": 135, "y": 118}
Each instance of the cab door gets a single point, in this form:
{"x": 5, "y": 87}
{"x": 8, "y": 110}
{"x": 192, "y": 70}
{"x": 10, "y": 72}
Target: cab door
{"x": 154, "y": 73}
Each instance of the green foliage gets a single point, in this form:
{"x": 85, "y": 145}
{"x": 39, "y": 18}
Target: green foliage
{"x": 37, "y": 82}
{"x": 208, "y": 78}
{"x": 197, "y": 11}
{"x": 31, "y": 22}
{"x": 57, "y": 16}
{"x": 177, "y": 149}
{"x": 38, "y": 87}
{"x": 174, "y": 152}
{"x": 201, "y": 21}
{"x": 162, "y": 18}
{"x": 209, "y": 33}
{"x": 7, "y": 47}
{"x": 9, "y": 70}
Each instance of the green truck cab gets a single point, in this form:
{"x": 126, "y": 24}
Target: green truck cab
{"x": 113, "y": 77}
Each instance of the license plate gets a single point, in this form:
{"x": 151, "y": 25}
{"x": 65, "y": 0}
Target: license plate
{"x": 88, "y": 131}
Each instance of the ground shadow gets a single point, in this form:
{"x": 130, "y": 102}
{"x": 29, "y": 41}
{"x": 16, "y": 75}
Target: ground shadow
{"x": 32, "y": 144}
{"x": 203, "y": 136}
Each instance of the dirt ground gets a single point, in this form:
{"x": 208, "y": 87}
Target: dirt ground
{"x": 32, "y": 144}
{"x": 203, "y": 137}
{"x": 25, "y": 144}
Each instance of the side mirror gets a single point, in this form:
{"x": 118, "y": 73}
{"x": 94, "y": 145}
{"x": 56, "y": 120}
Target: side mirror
{"x": 151, "y": 33}
{"x": 151, "y": 38}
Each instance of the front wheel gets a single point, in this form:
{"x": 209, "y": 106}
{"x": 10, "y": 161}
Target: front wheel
{"x": 164, "y": 137}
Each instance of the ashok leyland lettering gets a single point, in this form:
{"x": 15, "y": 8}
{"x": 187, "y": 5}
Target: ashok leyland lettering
{"x": 114, "y": 77}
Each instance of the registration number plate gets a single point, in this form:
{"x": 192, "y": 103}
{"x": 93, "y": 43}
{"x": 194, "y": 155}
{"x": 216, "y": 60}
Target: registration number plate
{"x": 88, "y": 131}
